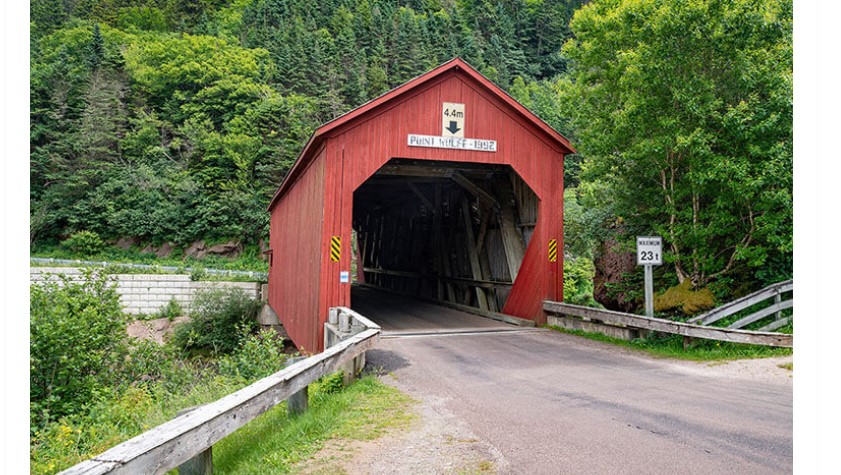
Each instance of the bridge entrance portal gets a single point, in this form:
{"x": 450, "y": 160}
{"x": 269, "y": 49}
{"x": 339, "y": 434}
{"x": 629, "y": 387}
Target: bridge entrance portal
{"x": 450, "y": 233}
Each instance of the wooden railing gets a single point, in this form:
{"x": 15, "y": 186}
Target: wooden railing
{"x": 190, "y": 436}
{"x": 688, "y": 330}
{"x": 775, "y": 291}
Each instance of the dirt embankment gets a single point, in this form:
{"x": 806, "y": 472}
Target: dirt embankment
{"x": 155, "y": 330}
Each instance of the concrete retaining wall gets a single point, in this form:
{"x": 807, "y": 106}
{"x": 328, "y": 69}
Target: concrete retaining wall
{"x": 148, "y": 293}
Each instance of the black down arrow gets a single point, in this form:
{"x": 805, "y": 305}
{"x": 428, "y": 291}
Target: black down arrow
{"x": 453, "y": 128}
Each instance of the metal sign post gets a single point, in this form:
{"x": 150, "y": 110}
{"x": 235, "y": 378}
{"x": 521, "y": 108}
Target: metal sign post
{"x": 649, "y": 290}
{"x": 649, "y": 254}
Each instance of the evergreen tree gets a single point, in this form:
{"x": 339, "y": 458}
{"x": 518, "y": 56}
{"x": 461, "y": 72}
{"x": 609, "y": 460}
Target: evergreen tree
{"x": 96, "y": 52}
{"x": 408, "y": 59}
{"x": 46, "y": 15}
{"x": 127, "y": 91}
{"x": 102, "y": 126}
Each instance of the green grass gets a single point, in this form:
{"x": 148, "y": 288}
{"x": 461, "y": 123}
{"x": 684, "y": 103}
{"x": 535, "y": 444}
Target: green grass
{"x": 671, "y": 346}
{"x": 249, "y": 260}
{"x": 197, "y": 273}
{"x": 277, "y": 442}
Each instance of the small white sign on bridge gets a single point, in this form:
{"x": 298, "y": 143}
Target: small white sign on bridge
{"x": 454, "y": 143}
{"x": 452, "y": 120}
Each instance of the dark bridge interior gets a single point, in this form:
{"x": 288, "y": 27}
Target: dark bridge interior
{"x": 449, "y": 232}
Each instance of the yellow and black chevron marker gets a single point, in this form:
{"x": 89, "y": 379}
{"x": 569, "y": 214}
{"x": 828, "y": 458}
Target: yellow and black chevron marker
{"x": 553, "y": 250}
{"x": 335, "y": 248}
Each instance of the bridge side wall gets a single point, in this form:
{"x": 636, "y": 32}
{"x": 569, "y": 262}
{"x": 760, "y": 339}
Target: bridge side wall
{"x": 295, "y": 273}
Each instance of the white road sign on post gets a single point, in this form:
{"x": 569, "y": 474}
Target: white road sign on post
{"x": 452, "y": 120}
{"x": 649, "y": 254}
{"x": 649, "y": 250}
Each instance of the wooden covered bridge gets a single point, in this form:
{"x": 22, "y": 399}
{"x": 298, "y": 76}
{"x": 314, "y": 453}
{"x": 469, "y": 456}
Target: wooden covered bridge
{"x": 445, "y": 189}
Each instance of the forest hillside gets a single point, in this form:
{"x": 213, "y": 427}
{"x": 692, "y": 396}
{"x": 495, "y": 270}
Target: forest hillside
{"x": 174, "y": 121}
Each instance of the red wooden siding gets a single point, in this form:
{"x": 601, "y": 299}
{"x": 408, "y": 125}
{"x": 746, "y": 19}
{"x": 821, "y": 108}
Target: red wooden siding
{"x": 295, "y": 275}
{"x": 358, "y": 144}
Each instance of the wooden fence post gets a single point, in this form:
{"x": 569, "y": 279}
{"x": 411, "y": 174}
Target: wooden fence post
{"x": 299, "y": 402}
{"x": 201, "y": 464}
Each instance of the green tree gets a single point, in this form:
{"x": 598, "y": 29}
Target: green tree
{"x": 407, "y": 59}
{"x": 683, "y": 109}
{"x": 77, "y": 337}
{"x": 46, "y": 15}
{"x": 97, "y": 49}
{"x": 101, "y": 126}
{"x": 197, "y": 76}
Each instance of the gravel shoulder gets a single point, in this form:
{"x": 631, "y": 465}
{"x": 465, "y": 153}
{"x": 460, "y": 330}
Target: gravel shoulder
{"x": 771, "y": 370}
{"x": 767, "y": 370}
{"x": 436, "y": 442}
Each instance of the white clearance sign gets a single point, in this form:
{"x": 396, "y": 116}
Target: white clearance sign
{"x": 455, "y": 143}
{"x": 649, "y": 250}
{"x": 452, "y": 120}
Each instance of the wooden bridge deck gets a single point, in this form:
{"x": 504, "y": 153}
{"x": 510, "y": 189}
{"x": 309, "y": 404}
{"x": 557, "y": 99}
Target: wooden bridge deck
{"x": 398, "y": 314}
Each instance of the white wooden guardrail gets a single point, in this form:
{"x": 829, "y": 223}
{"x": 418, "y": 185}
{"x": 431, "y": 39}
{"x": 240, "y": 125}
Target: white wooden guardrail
{"x": 190, "y": 436}
{"x": 774, "y": 291}
{"x": 688, "y": 330}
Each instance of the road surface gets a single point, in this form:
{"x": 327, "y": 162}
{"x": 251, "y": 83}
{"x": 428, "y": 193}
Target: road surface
{"x": 546, "y": 402}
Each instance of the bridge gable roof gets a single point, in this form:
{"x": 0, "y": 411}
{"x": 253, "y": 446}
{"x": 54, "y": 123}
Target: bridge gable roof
{"x": 375, "y": 106}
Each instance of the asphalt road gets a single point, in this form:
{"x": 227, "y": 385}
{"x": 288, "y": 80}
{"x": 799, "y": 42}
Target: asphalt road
{"x": 554, "y": 403}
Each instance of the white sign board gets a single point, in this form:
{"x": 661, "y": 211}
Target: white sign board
{"x": 344, "y": 277}
{"x": 452, "y": 120}
{"x": 649, "y": 250}
{"x": 455, "y": 143}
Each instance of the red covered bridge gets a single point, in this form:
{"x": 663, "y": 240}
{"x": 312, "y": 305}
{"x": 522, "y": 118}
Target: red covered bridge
{"x": 445, "y": 189}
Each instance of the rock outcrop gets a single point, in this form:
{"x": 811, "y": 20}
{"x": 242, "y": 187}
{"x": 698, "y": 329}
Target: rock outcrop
{"x": 165, "y": 250}
{"x": 264, "y": 247}
{"x": 197, "y": 250}
{"x": 611, "y": 264}
{"x": 229, "y": 249}
{"x": 127, "y": 242}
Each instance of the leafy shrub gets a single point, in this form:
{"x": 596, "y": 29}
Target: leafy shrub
{"x": 218, "y": 318}
{"x": 127, "y": 413}
{"x": 149, "y": 363}
{"x": 630, "y": 288}
{"x": 257, "y": 357}
{"x": 684, "y": 298}
{"x": 198, "y": 273}
{"x": 86, "y": 243}
{"x": 578, "y": 281}
{"x": 171, "y": 310}
{"x": 75, "y": 438}
{"x": 329, "y": 384}
{"x": 77, "y": 335}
